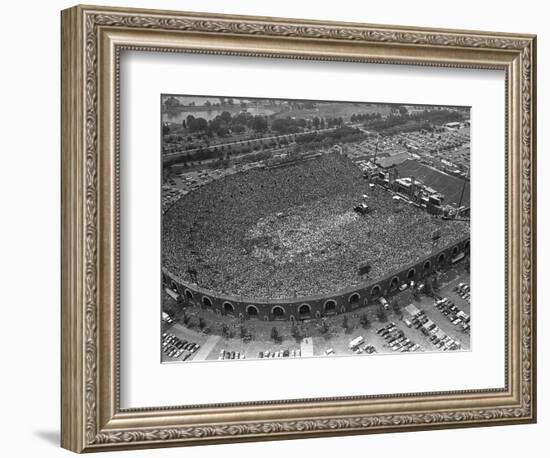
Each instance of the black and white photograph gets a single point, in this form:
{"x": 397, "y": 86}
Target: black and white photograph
{"x": 306, "y": 228}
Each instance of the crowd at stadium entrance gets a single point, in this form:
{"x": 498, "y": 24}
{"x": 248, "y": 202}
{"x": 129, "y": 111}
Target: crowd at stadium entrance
{"x": 188, "y": 294}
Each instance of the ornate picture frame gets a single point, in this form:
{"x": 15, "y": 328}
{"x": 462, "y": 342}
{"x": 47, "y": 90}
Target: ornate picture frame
{"x": 92, "y": 40}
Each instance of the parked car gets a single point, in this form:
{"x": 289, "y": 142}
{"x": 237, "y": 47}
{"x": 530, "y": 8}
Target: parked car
{"x": 356, "y": 342}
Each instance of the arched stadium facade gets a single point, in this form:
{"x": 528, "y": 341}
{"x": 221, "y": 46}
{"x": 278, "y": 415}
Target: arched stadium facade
{"x": 316, "y": 306}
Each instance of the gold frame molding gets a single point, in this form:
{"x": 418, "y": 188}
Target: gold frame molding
{"x": 92, "y": 39}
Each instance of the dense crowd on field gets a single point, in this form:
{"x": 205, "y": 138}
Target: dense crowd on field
{"x": 291, "y": 231}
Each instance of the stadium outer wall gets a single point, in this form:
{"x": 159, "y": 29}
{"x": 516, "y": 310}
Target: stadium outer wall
{"x": 314, "y": 306}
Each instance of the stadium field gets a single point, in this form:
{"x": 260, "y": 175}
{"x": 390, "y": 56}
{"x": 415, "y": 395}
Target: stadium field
{"x": 449, "y": 186}
{"x": 291, "y": 231}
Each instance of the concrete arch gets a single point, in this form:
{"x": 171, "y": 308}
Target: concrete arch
{"x": 329, "y": 305}
{"x": 252, "y": 311}
{"x": 228, "y": 307}
{"x": 304, "y": 310}
{"x": 345, "y": 301}
{"x": 278, "y": 311}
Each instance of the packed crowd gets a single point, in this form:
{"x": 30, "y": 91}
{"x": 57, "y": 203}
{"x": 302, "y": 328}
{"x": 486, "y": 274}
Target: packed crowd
{"x": 291, "y": 231}
{"x": 169, "y": 196}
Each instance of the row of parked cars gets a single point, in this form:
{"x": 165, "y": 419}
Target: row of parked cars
{"x": 227, "y": 354}
{"x": 453, "y": 313}
{"x": 432, "y": 332}
{"x": 444, "y": 342}
{"x": 174, "y": 347}
{"x": 288, "y": 353}
{"x": 463, "y": 290}
{"x": 358, "y": 346}
{"x": 396, "y": 338}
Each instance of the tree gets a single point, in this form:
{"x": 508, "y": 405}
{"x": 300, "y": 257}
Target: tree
{"x": 172, "y": 102}
{"x": 189, "y": 120}
{"x": 435, "y": 283}
{"x": 275, "y": 334}
{"x": 396, "y": 308}
{"x": 225, "y": 330}
{"x": 225, "y": 116}
{"x": 324, "y": 327}
{"x": 185, "y": 318}
{"x": 295, "y": 331}
{"x": 196, "y": 124}
{"x": 381, "y": 314}
{"x": 200, "y": 124}
{"x": 258, "y": 124}
{"x": 346, "y": 324}
{"x": 237, "y": 128}
{"x": 428, "y": 289}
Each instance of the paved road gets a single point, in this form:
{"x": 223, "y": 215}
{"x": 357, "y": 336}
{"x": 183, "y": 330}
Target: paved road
{"x": 271, "y": 137}
{"x": 206, "y": 348}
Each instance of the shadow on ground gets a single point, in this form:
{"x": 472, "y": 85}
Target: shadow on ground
{"x": 52, "y": 437}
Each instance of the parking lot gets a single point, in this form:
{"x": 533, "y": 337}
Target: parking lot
{"x": 365, "y": 324}
{"x": 184, "y": 344}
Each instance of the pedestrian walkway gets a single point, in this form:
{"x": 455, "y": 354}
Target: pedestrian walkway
{"x": 307, "y": 347}
{"x": 206, "y": 348}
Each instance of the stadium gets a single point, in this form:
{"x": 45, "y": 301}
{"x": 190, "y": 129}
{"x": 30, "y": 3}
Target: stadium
{"x": 283, "y": 241}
